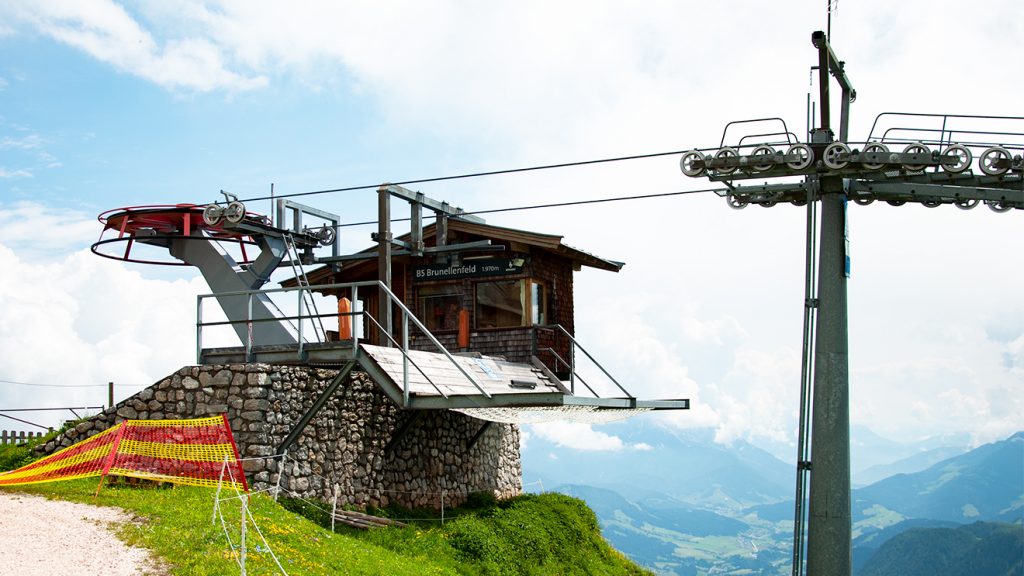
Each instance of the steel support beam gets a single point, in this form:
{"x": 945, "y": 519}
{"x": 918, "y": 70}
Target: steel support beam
{"x": 402, "y": 430}
{"x": 479, "y": 433}
{"x": 220, "y": 272}
{"x": 317, "y": 405}
{"x": 436, "y": 206}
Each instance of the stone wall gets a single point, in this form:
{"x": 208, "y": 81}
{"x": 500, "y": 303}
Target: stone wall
{"x": 345, "y": 444}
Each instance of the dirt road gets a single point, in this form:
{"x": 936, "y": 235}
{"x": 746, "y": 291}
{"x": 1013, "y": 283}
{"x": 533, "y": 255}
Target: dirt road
{"x": 40, "y": 537}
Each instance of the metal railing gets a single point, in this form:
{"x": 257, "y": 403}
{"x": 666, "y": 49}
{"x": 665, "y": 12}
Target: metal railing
{"x": 402, "y": 343}
{"x": 72, "y": 409}
{"x": 574, "y": 346}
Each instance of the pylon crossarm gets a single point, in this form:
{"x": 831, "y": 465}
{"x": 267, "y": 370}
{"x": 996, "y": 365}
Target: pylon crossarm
{"x": 932, "y": 195}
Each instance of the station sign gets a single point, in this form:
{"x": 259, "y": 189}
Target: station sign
{"x": 471, "y": 269}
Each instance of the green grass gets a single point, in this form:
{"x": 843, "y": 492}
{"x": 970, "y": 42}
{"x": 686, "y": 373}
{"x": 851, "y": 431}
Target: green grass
{"x": 529, "y": 535}
{"x": 14, "y": 456}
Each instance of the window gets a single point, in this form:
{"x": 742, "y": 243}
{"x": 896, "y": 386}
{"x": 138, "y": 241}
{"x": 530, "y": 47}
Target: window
{"x": 538, "y": 304}
{"x": 439, "y": 306}
{"x": 510, "y": 303}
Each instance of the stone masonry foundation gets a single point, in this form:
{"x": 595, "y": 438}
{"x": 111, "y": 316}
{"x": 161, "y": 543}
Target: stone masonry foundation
{"x": 344, "y": 445}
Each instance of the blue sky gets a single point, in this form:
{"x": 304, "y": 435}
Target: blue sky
{"x": 106, "y": 104}
{"x": 102, "y": 137}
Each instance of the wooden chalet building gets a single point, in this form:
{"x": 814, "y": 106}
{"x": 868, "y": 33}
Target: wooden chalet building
{"x": 498, "y": 300}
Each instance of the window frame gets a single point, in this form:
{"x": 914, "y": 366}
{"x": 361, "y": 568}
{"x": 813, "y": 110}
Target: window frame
{"x": 528, "y": 316}
{"x": 448, "y": 293}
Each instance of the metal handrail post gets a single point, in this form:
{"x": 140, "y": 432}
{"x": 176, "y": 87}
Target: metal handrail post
{"x": 199, "y": 329}
{"x": 582, "y": 381}
{"x": 248, "y": 335}
{"x": 392, "y": 298}
{"x": 398, "y": 345}
{"x": 359, "y": 317}
{"x": 299, "y": 291}
{"x": 572, "y": 366}
{"x": 405, "y": 358}
{"x": 596, "y": 363}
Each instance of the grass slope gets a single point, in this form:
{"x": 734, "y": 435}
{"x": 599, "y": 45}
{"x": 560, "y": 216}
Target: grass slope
{"x": 529, "y": 535}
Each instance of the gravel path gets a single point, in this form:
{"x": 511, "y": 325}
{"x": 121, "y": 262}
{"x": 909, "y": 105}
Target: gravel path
{"x": 40, "y": 537}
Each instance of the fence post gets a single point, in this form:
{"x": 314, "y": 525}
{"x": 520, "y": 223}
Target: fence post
{"x": 334, "y": 508}
{"x": 216, "y": 497}
{"x": 280, "y": 472}
{"x": 241, "y": 555}
{"x": 442, "y": 506}
{"x": 3, "y": 437}
{"x": 110, "y": 394}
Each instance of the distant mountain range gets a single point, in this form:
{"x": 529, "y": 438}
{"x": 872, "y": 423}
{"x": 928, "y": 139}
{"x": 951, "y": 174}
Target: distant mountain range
{"x": 683, "y": 504}
{"x": 979, "y": 549}
{"x": 915, "y": 463}
{"x": 685, "y": 464}
{"x": 869, "y": 450}
{"x": 986, "y": 483}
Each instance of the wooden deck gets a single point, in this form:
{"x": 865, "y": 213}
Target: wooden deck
{"x": 435, "y": 382}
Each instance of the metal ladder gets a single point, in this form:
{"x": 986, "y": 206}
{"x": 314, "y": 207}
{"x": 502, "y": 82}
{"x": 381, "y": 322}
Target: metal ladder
{"x": 306, "y": 297}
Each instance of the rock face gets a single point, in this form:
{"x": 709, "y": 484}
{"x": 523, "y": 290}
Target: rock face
{"x": 353, "y": 442}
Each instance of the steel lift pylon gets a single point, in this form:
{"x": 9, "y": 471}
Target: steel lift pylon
{"x": 934, "y": 168}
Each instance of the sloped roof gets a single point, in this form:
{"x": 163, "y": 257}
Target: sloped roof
{"x": 548, "y": 242}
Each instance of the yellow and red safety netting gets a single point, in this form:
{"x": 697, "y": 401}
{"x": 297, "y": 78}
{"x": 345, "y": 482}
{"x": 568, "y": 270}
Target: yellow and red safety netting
{"x": 200, "y": 452}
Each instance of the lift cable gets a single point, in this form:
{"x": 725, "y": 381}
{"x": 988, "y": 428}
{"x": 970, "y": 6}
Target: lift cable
{"x": 38, "y": 385}
{"x": 551, "y": 205}
{"x": 470, "y": 175}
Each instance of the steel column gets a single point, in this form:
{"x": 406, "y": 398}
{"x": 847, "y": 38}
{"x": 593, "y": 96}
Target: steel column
{"x": 829, "y": 525}
{"x": 384, "y": 264}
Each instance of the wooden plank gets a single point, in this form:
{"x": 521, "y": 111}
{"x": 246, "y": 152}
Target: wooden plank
{"x": 370, "y": 518}
{"x": 365, "y": 521}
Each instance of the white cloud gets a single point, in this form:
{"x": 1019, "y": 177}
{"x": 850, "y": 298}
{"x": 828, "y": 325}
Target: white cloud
{"x": 27, "y": 148}
{"x": 17, "y": 173}
{"x": 581, "y": 436}
{"x": 41, "y": 233}
{"x": 759, "y": 397}
{"x": 27, "y": 142}
{"x": 107, "y": 32}
{"x": 80, "y": 321}
{"x": 1014, "y": 354}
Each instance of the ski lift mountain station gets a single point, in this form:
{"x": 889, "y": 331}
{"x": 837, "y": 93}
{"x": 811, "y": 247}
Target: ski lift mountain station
{"x": 392, "y": 375}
